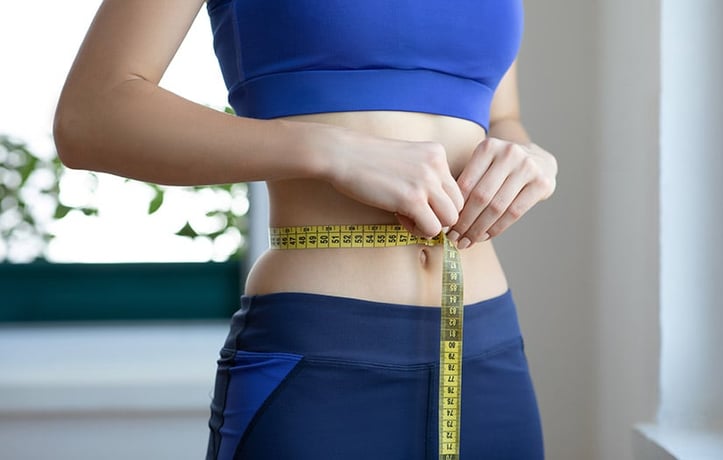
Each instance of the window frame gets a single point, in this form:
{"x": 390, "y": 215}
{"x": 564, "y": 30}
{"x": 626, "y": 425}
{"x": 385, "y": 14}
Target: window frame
{"x": 57, "y": 292}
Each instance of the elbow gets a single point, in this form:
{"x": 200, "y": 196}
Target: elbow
{"x": 70, "y": 143}
{"x": 83, "y": 127}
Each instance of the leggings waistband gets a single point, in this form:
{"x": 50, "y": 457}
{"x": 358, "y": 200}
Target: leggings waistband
{"x": 324, "y": 326}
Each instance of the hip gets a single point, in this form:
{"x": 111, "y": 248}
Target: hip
{"x": 297, "y": 368}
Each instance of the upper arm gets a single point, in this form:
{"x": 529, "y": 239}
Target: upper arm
{"x": 131, "y": 39}
{"x": 506, "y": 101}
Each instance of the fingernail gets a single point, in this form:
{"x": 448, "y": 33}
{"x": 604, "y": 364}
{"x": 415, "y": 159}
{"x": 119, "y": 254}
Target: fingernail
{"x": 485, "y": 237}
{"x": 452, "y": 236}
{"x": 463, "y": 243}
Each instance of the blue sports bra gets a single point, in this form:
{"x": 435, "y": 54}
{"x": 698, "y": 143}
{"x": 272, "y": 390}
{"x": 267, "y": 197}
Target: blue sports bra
{"x": 293, "y": 57}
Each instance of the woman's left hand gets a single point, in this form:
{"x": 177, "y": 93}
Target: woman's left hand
{"x": 502, "y": 181}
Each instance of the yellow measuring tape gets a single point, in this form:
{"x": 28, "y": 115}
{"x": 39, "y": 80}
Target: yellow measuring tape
{"x": 452, "y": 317}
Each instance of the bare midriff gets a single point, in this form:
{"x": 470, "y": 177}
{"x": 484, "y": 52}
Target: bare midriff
{"x": 404, "y": 275}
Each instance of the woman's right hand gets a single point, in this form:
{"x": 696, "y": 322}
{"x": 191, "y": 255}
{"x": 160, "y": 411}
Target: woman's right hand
{"x": 410, "y": 179}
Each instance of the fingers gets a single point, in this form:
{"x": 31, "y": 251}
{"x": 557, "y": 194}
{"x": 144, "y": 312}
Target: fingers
{"x": 406, "y": 222}
{"x": 481, "y": 196}
{"x": 453, "y": 191}
{"x": 524, "y": 201}
{"x": 435, "y": 198}
{"x": 475, "y": 169}
{"x": 426, "y": 215}
{"x": 501, "y": 183}
{"x": 411, "y": 179}
{"x": 505, "y": 207}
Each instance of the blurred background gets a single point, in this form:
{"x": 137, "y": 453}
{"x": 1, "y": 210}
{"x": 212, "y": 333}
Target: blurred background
{"x": 115, "y": 294}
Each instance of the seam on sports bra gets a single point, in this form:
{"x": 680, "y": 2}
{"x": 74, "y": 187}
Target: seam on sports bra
{"x": 357, "y": 69}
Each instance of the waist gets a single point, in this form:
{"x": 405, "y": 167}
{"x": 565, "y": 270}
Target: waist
{"x": 402, "y": 275}
{"x": 408, "y": 275}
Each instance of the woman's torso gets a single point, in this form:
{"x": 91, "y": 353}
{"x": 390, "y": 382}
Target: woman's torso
{"x": 407, "y": 275}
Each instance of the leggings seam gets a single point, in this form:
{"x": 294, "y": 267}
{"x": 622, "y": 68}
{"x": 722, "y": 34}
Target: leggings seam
{"x": 340, "y": 362}
{"x": 216, "y": 433}
{"x": 499, "y": 348}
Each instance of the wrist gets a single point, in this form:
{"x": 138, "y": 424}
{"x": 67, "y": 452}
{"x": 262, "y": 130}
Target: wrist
{"x": 306, "y": 148}
{"x": 548, "y": 163}
{"x": 325, "y": 149}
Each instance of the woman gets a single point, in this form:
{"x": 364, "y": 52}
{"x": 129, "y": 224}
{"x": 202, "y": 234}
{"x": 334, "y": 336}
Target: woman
{"x": 375, "y": 112}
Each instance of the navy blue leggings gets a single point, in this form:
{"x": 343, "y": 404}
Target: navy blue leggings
{"x": 306, "y": 376}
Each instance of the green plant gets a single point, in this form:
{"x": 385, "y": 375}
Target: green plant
{"x": 226, "y": 216}
{"x": 27, "y": 182}
{"x": 31, "y": 199}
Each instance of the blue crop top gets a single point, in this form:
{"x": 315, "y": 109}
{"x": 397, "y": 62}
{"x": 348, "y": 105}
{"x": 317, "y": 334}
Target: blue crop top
{"x": 293, "y": 57}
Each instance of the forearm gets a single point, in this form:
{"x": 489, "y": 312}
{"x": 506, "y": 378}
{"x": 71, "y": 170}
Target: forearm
{"x": 139, "y": 130}
{"x": 509, "y": 129}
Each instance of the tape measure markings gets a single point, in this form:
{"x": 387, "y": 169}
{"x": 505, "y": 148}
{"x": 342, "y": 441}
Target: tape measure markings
{"x": 450, "y": 353}
{"x": 345, "y": 236}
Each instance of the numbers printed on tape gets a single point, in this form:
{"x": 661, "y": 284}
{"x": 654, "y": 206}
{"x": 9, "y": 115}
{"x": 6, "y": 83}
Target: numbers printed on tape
{"x": 452, "y": 312}
{"x": 450, "y": 354}
{"x": 345, "y": 236}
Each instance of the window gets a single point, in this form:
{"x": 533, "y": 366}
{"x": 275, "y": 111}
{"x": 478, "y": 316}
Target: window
{"x": 172, "y": 287}
{"x": 691, "y": 215}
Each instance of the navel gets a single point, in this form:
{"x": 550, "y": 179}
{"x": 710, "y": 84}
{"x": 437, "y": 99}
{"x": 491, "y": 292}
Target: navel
{"x": 424, "y": 257}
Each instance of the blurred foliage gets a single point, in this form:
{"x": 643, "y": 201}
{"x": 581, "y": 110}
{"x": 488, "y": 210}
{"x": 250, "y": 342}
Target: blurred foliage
{"x": 229, "y": 217}
{"x": 20, "y": 221}
{"x": 30, "y": 200}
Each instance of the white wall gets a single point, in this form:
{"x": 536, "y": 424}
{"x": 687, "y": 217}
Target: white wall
{"x": 628, "y": 219}
{"x": 584, "y": 266}
{"x": 549, "y": 256}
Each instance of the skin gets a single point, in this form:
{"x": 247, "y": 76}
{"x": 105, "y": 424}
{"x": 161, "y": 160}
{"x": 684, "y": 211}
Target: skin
{"x": 426, "y": 171}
